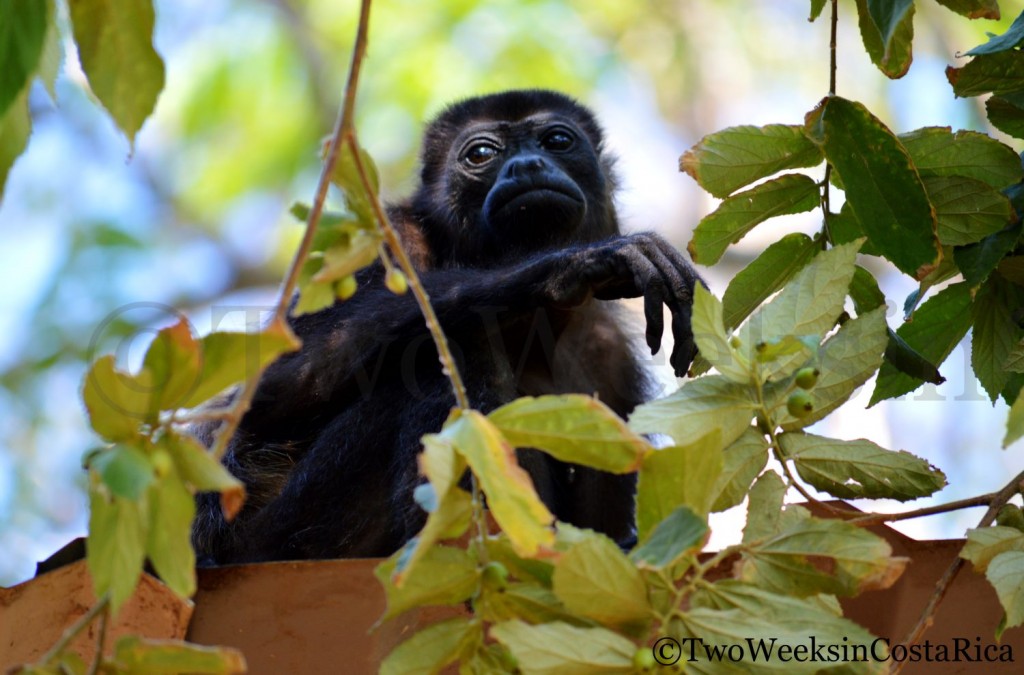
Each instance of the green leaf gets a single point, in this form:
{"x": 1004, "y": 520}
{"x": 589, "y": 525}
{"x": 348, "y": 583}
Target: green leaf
{"x": 527, "y": 601}
{"x": 1014, "y": 422}
{"x": 967, "y": 210}
{"x": 173, "y": 360}
{"x": 677, "y": 476}
{"x": 115, "y": 47}
{"x": 731, "y": 612}
{"x": 711, "y": 339}
{"x": 999, "y": 73}
{"x": 906, "y": 360}
{"x": 115, "y": 549}
{"x": 887, "y": 30}
{"x": 169, "y": 544}
{"x": 740, "y": 213}
{"x": 973, "y": 9}
{"x": 229, "y": 358}
{"x": 202, "y": 473}
{"x": 1012, "y": 38}
{"x": 881, "y": 184}
{"x": 1005, "y": 115}
{"x": 938, "y": 326}
{"x": 985, "y": 543}
{"x": 846, "y": 361}
{"x": 1006, "y": 574}
{"x": 857, "y": 560}
{"x": 977, "y": 261}
{"x": 125, "y": 470}
{"x": 699, "y": 407}
{"x": 887, "y": 16}
{"x": 134, "y": 654}
{"x": 117, "y": 402}
{"x": 742, "y": 462}
{"x": 511, "y": 497}
{"x": 806, "y": 308}
{"x": 816, "y": 7}
{"x": 444, "y": 576}
{"x": 596, "y": 580}
{"x": 561, "y": 649}
{"x": 731, "y": 158}
{"x": 995, "y": 333}
{"x": 573, "y": 428}
{"x": 346, "y": 176}
{"x": 769, "y": 272}
{"x": 52, "y": 55}
{"x": 857, "y": 469}
{"x": 844, "y": 228}
{"x": 864, "y": 291}
{"x": 429, "y": 650}
{"x": 937, "y": 151}
{"x": 682, "y": 532}
{"x": 1012, "y": 269}
{"x": 356, "y": 249}
{"x": 23, "y": 28}
{"x": 15, "y": 127}
{"x": 764, "y": 507}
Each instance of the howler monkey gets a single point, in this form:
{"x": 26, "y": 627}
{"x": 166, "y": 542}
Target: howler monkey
{"x": 514, "y": 234}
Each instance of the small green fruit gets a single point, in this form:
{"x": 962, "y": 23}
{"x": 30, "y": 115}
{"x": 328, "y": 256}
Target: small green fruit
{"x": 396, "y": 282}
{"x": 346, "y": 288}
{"x": 806, "y": 378}
{"x": 735, "y": 342}
{"x": 162, "y": 463}
{"x": 643, "y": 659}
{"x": 495, "y": 575}
{"x": 800, "y": 404}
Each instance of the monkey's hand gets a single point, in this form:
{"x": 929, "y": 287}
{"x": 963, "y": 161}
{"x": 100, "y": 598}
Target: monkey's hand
{"x": 638, "y": 265}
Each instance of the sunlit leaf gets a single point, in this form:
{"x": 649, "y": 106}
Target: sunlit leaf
{"x": 134, "y": 654}
{"x": 443, "y": 576}
{"x": 985, "y": 543}
{"x": 15, "y": 127}
{"x": 203, "y": 473}
{"x": 229, "y": 358}
{"x": 346, "y": 176}
{"x": 561, "y": 649}
{"x": 742, "y": 462}
{"x": 23, "y": 27}
{"x": 116, "y": 545}
{"x": 728, "y": 159}
{"x": 115, "y": 47}
{"x": 881, "y": 183}
{"x": 857, "y": 469}
{"x": 173, "y": 360}
{"x": 430, "y": 649}
{"x": 1006, "y": 574}
{"x": 169, "y": 542}
{"x": 596, "y": 580}
{"x": 117, "y": 402}
{"x": 857, "y": 560}
{"x": 572, "y": 428}
{"x": 511, "y": 497}
{"x": 764, "y": 507}
{"x": 701, "y": 406}
{"x": 676, "y": 476}
{"x": 846, "y": 360}
{"x": 769, "y": 272}
{"x": 709, "y": 334}
{"x": 938, "y": 326}
{"x": 740, "y": 213}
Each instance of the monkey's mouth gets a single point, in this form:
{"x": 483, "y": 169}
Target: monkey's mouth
{"x": 548, "y": 202}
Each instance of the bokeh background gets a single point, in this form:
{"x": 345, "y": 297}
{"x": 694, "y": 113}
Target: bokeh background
{"x": 99, "y": 242}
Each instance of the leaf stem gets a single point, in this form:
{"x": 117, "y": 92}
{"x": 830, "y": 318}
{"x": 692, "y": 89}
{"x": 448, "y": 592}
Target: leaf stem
{"x": 101, "y": 642}
{"x": 72, "y": 631}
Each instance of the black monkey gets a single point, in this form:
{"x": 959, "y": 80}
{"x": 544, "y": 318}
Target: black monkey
{"x": 514, "y": 233}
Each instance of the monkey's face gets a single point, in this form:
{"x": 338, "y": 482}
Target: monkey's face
{"x": 527, "y": 184}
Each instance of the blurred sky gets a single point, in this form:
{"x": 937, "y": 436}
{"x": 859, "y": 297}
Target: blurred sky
{"x": 98, "y": 242}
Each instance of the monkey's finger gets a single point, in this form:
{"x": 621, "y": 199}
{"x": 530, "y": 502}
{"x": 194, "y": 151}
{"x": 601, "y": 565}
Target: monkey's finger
{"x": 655, "y": 320}
{"x": 684, "y": 349}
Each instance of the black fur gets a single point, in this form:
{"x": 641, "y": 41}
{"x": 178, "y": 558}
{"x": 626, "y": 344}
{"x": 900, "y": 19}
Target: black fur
{"x": 518, "y": 253}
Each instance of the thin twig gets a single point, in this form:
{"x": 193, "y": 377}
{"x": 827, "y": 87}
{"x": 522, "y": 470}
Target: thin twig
{"x": 927, "y": 617}
{"x": 72, "y": 631}
{"x": 832, "y": 49}
{"x": 869, "y": 519}
{"x": 101, "y": 642}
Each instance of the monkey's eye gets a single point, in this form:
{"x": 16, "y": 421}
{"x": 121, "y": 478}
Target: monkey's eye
{"x": 479, "y": 154}
{"x": 558, "y": 140}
